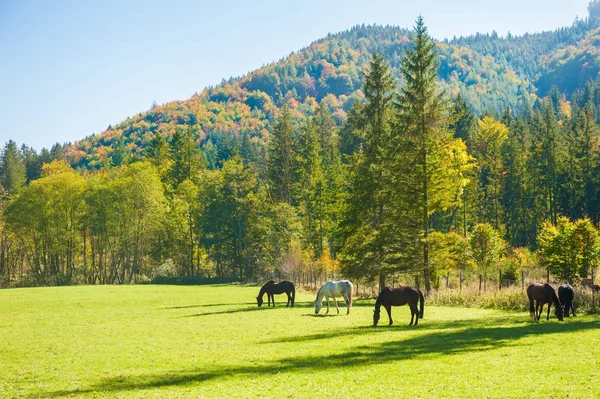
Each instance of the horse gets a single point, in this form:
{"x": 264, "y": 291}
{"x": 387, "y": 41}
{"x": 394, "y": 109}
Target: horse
{"x": 566, "y": 296}
{"x": 334, "y": 289}
{"x": 397, "y": 297}
{"x": 272, "y": 288}
{"x": 543, "y": 294}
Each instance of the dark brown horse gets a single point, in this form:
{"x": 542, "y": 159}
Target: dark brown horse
{"x": 272, "y": 288}
{"x": 397, "y": 297}
{"x": 566, "y": 294}
{"x": 543, "y": 294}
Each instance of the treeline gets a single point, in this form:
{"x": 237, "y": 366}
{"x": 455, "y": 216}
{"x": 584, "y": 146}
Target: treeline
{"x": 411, "y": 182}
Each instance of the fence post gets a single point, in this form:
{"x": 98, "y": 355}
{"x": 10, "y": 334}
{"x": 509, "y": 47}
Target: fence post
{"x": 460, "y": 280}
{"x": 447, "y": 279}
{"x": 499, "y": 280}
{"x": 593, "y": 291}
{"x": 438, "y": 285}
{"x": 522, "y": 280}
{"x": 480, "y": 280}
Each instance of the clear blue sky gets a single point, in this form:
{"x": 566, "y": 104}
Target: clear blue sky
{"x": 70, "y": 68}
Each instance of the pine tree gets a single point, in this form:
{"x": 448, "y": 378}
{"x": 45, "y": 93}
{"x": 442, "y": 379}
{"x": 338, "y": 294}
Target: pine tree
{"x": 586, "y": 136}
{"x": 33, "y": 164}
{"x": 119, "y": 155}
{"x": 545, "y": 162}
{"x": 12, "y": 168}
{"x": 429, "y": 164}
{"x": 365, "y": 212}
{"x": 463, "y": 119}
{"x": 157, "y": 153}
{"x": 186, "y": 159}
{"x": 281, "y": 157}
{"x": 335, "y": 180}
{"x": 311, "y": 187}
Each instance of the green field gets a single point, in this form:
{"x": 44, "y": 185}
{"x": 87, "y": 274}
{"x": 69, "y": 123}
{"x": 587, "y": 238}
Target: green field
{"x": 213, "y": 341}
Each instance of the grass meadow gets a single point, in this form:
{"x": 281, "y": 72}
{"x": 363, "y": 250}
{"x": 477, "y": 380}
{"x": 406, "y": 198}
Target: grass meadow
{"x": 150, "y": 341}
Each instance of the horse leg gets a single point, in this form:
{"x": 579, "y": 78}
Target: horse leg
{"x": 573, "y": 309}
{"x": 388, "y": 309}
{"x": 336, "y": 305}
{"x": 414, "y": 311}
{"x": 537, "y": 311}
{"x": 348, "y": 303}
{"x": 327, "y": 299}
{"x": 289, "y": 299}
{"x": 548, "y": 316}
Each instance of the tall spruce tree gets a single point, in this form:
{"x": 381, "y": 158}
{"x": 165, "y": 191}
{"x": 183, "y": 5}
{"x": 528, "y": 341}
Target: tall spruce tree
{"x": 335, "y": 179}
{"x": 157, "y": 153}
{"x": 365, "y": 212}
{"x": 311, "y": 187}
{"x": 281, "y": 157}
{"x": 186, "y": 158}
{"x": 13, "y": 174}
{"x": 428, "y": 163}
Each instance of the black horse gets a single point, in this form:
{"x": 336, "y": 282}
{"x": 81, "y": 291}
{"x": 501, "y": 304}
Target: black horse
{"x": 543, "y": 294}
{"x": 566, "y": 296}
{"x": 272, "y": 288}
{"x": 397, "y": 297}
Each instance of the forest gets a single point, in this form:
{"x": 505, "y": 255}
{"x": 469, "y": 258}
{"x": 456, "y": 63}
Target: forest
{"x": 373, "y": 154}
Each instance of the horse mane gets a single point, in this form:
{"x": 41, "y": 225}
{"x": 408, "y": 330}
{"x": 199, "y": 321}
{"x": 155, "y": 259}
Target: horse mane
{"x": 380, "y": 298}
{"x": 320, "y": 290}
{"x": 264, "y": 287}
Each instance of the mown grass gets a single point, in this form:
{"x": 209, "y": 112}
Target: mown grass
{"x": 212, "y": 341}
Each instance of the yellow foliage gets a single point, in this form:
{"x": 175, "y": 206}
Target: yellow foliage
{"x": 56, "y": 167}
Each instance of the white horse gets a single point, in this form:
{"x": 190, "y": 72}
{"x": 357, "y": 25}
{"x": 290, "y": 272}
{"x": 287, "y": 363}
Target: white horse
{"x": 334, "y": 289}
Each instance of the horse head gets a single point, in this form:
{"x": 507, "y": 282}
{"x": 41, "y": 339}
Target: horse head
{"x": 376, "y": 314}
{"x": 558, "y": 311}
{"x": 259, "y": 301}
{"x": 318, "y": 306}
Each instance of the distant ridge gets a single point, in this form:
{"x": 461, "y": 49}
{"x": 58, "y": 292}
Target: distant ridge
{"x": 490, "y": 72}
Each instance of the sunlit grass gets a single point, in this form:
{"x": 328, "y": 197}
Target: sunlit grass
{"x": 212, "y": 341}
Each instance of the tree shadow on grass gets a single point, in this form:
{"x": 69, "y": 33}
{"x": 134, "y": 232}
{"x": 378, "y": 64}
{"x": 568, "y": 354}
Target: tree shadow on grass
{"x": 400, "y": 326}
{"x": 206, "y": 305}
{"x": 437, "y": 342}
{"x": 227, "y": 311}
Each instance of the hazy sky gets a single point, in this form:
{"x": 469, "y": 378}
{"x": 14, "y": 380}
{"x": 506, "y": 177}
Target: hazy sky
{"x": 70, "y": 68}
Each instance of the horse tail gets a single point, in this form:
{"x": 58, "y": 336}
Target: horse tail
{"x": 422, "y": 304}
{"x": 531, "y": 308}
{"x": 293, "y": 294}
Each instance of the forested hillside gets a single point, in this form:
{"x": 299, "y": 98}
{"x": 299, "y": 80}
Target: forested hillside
{"x": 490, "y": 72}
{"x": 375, "y": 152}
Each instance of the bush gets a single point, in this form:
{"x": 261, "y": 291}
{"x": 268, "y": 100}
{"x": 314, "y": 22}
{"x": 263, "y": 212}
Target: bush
{"x": 506, "y": 299}
{"x": 167, "y": 269}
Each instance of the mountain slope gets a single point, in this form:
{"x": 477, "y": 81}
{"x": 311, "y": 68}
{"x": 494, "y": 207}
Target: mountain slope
{"x": 490, "y": 72}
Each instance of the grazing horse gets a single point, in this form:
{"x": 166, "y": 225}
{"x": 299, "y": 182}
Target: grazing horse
{"x": 272, "y": 288}
{"x": 334, "y": 289}
{"x": 397, "y": 297}
{"x": 543, "y": 294}
{"x": 566, "y": 296}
